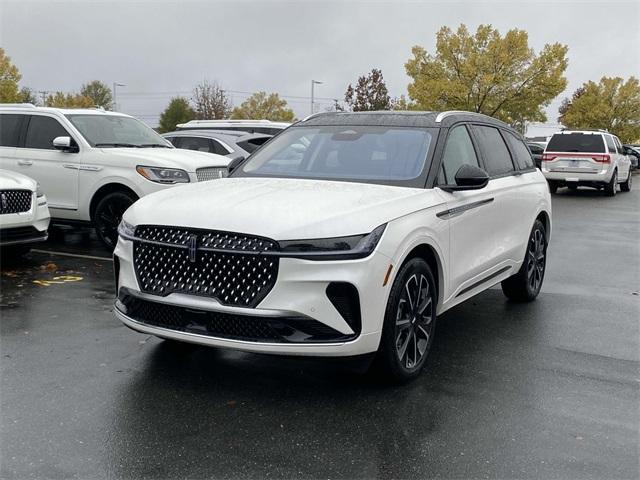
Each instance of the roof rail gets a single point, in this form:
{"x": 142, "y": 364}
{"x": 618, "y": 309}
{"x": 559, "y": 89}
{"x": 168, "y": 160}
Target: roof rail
{"x": 442, "y": 115}
{"x": 17, "y": 105}
{"x": 234, "y": 121}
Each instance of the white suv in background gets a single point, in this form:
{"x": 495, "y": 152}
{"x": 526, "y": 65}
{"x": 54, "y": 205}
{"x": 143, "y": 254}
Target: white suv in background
{"x": 92, "y": 164}
{"x": 592, "y": 158}
{"x": 24, "y": 216}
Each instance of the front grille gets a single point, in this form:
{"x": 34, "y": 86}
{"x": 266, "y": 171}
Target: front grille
{"x": 222, "y": 265}
{"x": 211, "y": 173}
{"x": 15, "y": 201}
{"x": 291, "y": 329}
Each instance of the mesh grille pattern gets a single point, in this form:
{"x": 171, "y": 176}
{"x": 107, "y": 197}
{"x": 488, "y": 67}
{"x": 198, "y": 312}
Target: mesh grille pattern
{"x": 211, "y": 173}
{"x": 230, "y": 276}
{"x": 15, "y": 201}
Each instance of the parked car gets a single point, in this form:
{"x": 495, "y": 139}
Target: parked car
{"x": 247, "y": 126}
{"x": 536, "y": 152}
{"x": 634, "y": 155}
{"x": 351, "y": 246}
{"x": 93, "y": 164}
{"x": 222, "y": 142}
{"x": 592, "y": 158}
{"x": 24, "y": 215}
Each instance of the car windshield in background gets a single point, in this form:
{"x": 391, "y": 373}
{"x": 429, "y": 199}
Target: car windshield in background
{"x": 576, "y": 142}
{"x": 116, "y": 131}
{"x": 360, "y": 153}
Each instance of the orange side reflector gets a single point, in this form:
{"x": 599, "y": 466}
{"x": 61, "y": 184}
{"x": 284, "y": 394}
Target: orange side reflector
{"x": 386, "y": 276}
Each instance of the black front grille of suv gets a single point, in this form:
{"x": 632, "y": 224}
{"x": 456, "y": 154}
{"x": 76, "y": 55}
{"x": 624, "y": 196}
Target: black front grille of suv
{"x": 223, "y": 265}
{"x": 15, "y": 201}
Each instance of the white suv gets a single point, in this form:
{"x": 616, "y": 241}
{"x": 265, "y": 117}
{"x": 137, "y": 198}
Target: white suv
{"x": 92, "y": 164}
{"x": 346, "y": 234}
{"x": 592, "y": 158}
{"x": 24, "y": 216}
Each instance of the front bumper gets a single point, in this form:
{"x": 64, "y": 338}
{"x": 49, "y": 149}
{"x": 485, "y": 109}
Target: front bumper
{"x": 26, "y": 227}
{"x": 299, "y": 294}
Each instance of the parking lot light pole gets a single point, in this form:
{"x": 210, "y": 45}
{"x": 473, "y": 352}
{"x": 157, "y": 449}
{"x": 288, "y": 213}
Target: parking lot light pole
{"x": 115, "y": 102}
{"x": 313, "y": 83}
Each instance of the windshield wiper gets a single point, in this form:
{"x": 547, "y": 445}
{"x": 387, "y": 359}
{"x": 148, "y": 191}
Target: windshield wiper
{"x": 131, "y": 145}
{"x": 153, "y": 145}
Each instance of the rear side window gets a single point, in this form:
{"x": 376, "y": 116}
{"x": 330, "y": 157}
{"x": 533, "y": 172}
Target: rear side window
{"x": 521, "y": 153}
{"x": 496, "y": 155}
{"x": 194, "y": 143}
{"x": 9, "y": 130}
{"x": 458, "y": 151}
{"x": 218, "y": 148}
{"x": 41, "y": 132}
{"x": 576, "y": 142}
{"x": 611, "y": 145}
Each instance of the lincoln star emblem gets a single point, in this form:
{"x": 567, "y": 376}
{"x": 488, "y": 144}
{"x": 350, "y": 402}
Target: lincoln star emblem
{"x": 4, "y": 202}
{"x": 193, "y": 248}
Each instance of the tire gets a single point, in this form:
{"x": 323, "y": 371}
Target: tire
{"x": 407, "y": 333}
{"x": 525, "y": 285}
{"x": 553, "y": 187}
{"x": 108, "y": 214}
{"x": 611, "y": 187}
{"x": 626, "y": 185}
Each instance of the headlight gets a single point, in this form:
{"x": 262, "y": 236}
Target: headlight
{"x": 338, "y": 248}
{"x": 126, "y": 230}
{"x": 39, "y": 192}
{"x": 163, "y": 175}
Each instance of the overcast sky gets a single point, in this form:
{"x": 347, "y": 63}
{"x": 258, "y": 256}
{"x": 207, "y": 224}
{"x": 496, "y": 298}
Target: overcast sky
{"x": 160, "y": 49}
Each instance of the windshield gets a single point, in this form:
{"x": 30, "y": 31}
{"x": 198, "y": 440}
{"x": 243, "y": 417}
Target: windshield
{"x": 360, "y": 153}
{"x": 576, "y": 142}
{"x": 116, "y": 131}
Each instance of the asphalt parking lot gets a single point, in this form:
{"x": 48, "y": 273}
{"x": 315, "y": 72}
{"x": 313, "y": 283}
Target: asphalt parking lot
{"x": 543, "y": 390}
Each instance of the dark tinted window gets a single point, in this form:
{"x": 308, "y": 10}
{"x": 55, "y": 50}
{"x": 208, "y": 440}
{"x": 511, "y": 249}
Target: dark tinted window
{"x": 41, "y": 132}
{"x": 494, "y": 150}
{"x": 610, "y": 143}
{"x": 9, "y": 130}
{"x": 520, "y": 152}
{"x": 195, "y": 143}
{"x": 172, "y": 140}
{"x": 576, "y": 142}
{"x": 535, "y": 148}
{"x": 457, "y": 152}
{"x": 218, "y": 148}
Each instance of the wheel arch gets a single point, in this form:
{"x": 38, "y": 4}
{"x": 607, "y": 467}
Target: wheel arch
{"x": 429, "y": 254}
{"x": 544, "y": 217}
{"x": 104, "y": 190}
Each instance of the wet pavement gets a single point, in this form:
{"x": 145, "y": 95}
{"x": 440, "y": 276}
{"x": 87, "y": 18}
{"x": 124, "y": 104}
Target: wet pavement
{"x": 544, "y": 390}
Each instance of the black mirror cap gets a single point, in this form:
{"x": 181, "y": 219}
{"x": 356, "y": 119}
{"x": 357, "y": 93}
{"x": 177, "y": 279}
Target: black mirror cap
{"x": 235, "y": 163}
{"x": 468, "y": 177}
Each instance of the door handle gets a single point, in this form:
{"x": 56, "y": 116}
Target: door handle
{"x": 25, "y": 162}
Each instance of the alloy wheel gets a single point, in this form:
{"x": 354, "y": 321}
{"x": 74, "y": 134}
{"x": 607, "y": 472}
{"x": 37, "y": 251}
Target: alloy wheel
{"x": 414, "y": 321}
{"x": 108, "y": 218}
{"x": 536, "y": 260}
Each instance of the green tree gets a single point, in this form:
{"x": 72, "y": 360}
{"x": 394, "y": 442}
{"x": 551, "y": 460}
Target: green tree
{"x": 27, "y": 95}
{"x": 9, "y": 78}
{"x": 99, "y": 93}
{"x": 370, "y": 93}
{"x": 487, "y": 73}
{"x": 68, "y": 100}
{"x": 211, "y": 102}
{"x": 261, "y": 106}
{"x": 178, "y": 111}
{"x": 611, "y": 104}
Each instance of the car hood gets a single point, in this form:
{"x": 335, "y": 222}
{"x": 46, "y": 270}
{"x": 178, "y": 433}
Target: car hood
{"x": 281, "y": 209}
{"x": 188, "y": 160}
{"x": 11, "y": 180}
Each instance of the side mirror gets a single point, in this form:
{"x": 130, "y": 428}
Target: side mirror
{"x": 468, "y": 177}
{"x": 66, "y": 144}
{"x": 235, "y": 163}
